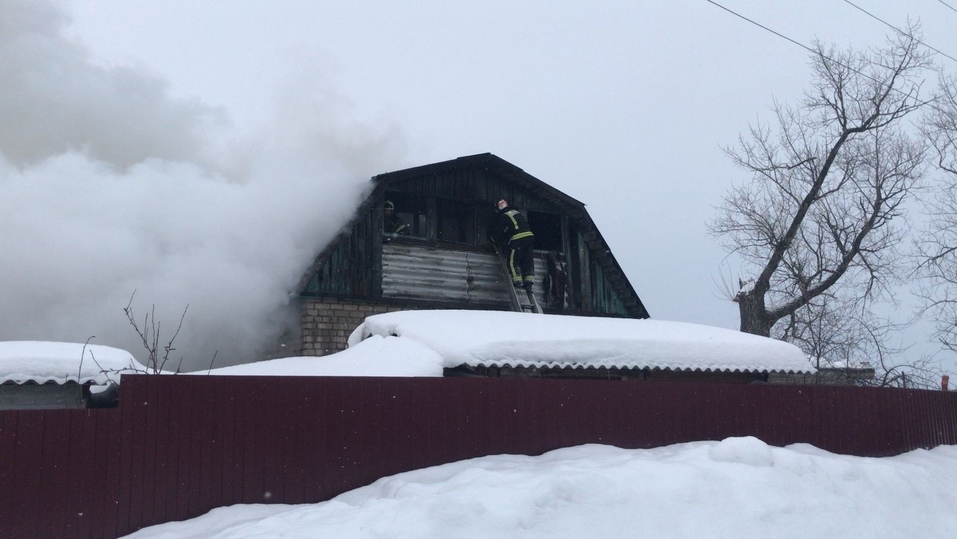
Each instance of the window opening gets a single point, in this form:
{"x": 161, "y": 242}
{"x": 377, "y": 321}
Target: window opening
{"x": 411, "y": 209}
{"x": 456, "y": 221}
{"x": 486, "y": 221}
{"x": 547, "y": 228}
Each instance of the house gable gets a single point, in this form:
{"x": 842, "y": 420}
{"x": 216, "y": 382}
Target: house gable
{"x": 351, "y": 265}
{"x": 445, "y": 261}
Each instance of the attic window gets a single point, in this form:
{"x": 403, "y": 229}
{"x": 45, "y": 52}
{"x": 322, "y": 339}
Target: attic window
{"x": 456, "y": 221}
{"x": 548, "y": 231}
{"x": 411, "y": 209}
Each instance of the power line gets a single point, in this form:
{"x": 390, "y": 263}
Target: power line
{"x": 896, "y": 29}
{"x": 803, "y": 46}
{"x": 809, "y": 49}
{"x": 759, "y": 25}
{"x": 948, "y": 5}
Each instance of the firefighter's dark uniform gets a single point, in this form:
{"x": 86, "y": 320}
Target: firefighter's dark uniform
{"x": 395, "y": 225}
{"x": 513, "y": 232}
{"x": 392, "y": 223}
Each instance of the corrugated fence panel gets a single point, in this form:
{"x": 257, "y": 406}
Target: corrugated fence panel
{"x": 51, "y": 463}
{"x": 179, "y": 446}
{"x": 22, "y": 471}
{"x": 105, "y": 487}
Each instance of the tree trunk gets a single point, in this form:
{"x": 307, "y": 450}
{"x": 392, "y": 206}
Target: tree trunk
{"x": 754, "y": 315}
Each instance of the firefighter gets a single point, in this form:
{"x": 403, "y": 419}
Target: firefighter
{"x": 392, "y": 223}
{"x": 513, "y": 234}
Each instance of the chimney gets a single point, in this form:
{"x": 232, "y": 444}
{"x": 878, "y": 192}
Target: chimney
{"x": 944, "y": 380}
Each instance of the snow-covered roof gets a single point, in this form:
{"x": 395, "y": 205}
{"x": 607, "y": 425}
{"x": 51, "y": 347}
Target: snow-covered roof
{"x": 375, "y": 356}
{"x": 61, "y": 362}
{"x": 488, "y": 338}
{"x": 422, "y": 343}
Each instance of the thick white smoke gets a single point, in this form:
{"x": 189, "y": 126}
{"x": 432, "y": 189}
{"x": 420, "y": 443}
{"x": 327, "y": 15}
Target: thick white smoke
{"x": 109, "y": 186}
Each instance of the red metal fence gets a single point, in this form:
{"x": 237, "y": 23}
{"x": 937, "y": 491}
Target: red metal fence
{"x": 178, "y": 446}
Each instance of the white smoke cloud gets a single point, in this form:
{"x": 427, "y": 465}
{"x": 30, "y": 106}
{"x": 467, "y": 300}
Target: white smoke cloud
{"x": 54, "y": 100}
{"x": 109, "y": 186}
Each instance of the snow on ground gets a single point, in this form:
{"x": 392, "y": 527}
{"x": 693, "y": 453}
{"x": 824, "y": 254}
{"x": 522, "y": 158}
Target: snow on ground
{"x": 739, "y": 487}
{"x": 60, "y": 362}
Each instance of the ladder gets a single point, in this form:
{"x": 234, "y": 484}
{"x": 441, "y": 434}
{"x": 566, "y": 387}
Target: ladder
{"x": 521, "y": 300}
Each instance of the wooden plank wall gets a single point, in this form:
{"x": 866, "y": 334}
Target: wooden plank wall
{"x": 179, "y": 446}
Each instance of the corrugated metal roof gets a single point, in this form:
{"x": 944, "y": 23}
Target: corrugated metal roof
{"x": 651, "y": 365}
{"x": 460, "y": 276}
{"x": 499, "y": 339}
{"x": 42, "y": 362}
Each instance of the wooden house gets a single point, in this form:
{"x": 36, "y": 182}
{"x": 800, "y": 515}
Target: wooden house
{"x": 445, "y": 261}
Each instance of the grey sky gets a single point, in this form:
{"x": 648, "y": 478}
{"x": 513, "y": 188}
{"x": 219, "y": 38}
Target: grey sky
{"x": 238, "y": 109}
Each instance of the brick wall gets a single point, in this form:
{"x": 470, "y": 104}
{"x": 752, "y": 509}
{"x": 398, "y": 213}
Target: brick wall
{"x": 328, "y": 322}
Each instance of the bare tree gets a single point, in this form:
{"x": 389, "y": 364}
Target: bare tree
{"x": 818, "y": 223}
{"x": 149, "y": 333}
{"x": 839, "y": 335}
{"x": 940, "y": 126}
{"x": 938, "y": 243}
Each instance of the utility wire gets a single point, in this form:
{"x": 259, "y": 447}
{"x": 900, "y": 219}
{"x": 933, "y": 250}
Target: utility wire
{"x": 896, "y": 29}
{"x": 948, "y": 5}
{"x": 759, "y": 25}
{"x": 799, "y": 44}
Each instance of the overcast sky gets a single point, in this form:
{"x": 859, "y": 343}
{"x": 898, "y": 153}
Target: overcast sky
{"x": 201, "y": 152}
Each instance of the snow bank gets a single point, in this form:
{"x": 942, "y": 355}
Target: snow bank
{"x": 738, "y": 487}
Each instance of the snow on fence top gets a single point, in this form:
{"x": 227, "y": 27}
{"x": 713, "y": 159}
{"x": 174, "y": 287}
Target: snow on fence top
{"x": 61, "y": 362}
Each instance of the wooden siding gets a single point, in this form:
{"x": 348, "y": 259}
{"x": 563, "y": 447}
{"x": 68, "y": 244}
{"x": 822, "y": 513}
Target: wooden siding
{"x": 423, "y": 272}
{"x": 335, "y": 274}
{"x": 347, "y": 268}
{"x": 604, "y": 298}
{"x": 358, "y": 265}
{"x": 475, "y": 185}
{"x": 178, "y": 446}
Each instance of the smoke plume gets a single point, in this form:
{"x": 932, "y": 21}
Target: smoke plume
{"x": 109, "y": 186}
